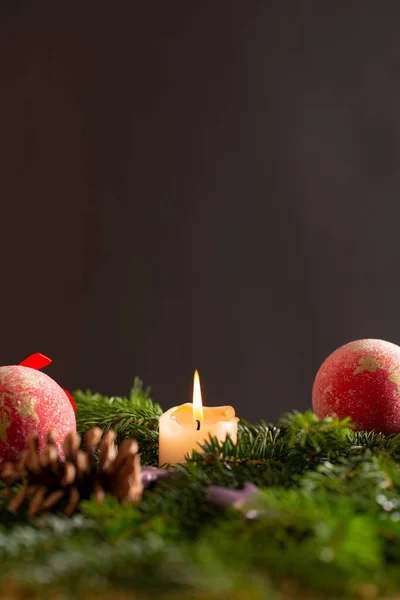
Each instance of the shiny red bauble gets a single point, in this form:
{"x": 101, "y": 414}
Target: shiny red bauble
{"x": 361, "y": 380}
{"x": 30, "y": 401}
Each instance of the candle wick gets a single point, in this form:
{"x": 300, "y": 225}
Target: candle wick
{"x": 198, "y": 424}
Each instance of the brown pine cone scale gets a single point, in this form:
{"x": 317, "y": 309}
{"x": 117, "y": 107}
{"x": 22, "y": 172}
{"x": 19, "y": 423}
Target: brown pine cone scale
{"x": 49, "y": 483}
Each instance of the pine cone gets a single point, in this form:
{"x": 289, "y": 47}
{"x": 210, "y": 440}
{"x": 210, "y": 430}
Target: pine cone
{"x": 51, "y": 483}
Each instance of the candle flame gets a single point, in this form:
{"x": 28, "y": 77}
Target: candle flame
{"x": 197, "y": 402}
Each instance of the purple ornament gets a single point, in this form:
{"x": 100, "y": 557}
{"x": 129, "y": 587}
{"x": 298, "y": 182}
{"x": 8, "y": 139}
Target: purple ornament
{"x": 238, "y": 499}
{"x": 153, "y": 475}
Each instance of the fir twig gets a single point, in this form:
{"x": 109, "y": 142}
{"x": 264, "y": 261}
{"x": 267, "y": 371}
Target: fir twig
{"x": 135, "y": 416}
{"x": 328, "y": 521}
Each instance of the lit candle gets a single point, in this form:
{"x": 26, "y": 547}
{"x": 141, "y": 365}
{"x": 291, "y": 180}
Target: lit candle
{"x": 184, "y": 427}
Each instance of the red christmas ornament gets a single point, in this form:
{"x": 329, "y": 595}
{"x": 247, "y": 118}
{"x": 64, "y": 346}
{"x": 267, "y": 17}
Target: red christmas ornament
{"x": 31, "y": 401}
{"x": 361, "y": 380}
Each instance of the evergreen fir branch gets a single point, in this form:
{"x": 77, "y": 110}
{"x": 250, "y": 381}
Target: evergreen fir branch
{"x": 306, "y": 430}
{"x": 133, "y": 417}
{"x": 329, "y": 522}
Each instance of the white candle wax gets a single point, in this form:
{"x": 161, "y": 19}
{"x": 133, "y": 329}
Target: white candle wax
{"x": 178, "y": 433}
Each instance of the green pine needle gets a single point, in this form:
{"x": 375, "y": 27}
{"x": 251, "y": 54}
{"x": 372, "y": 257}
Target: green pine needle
{"x": 133, "y": 417}
{"x": 328, "y": 521}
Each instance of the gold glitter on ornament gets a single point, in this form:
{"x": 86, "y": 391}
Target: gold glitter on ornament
{"x": 26, "y": 407}
{"x": 368, "y": 363}
{"x": 328, "y": 389}
{"x": 394, "y": 376}
{"x": 21, "y": 400}
{"x": 5, "y": 422}
{"x": 359, "y": 346}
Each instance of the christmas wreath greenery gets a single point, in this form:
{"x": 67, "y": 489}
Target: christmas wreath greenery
{"x": 300, "y": 509}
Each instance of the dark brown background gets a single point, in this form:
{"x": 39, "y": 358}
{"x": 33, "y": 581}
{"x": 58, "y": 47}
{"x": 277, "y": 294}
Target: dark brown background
{"x": 198, "y": 184}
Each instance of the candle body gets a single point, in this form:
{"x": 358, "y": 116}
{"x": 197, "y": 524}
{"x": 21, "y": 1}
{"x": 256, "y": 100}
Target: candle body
{"x": 178, "y": 434}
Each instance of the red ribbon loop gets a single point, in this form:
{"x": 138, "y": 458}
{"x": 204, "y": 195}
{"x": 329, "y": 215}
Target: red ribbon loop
{"x": 70, "y": 398}
{"x": 39, "y": 361}
{"x": 36, "y": 361}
